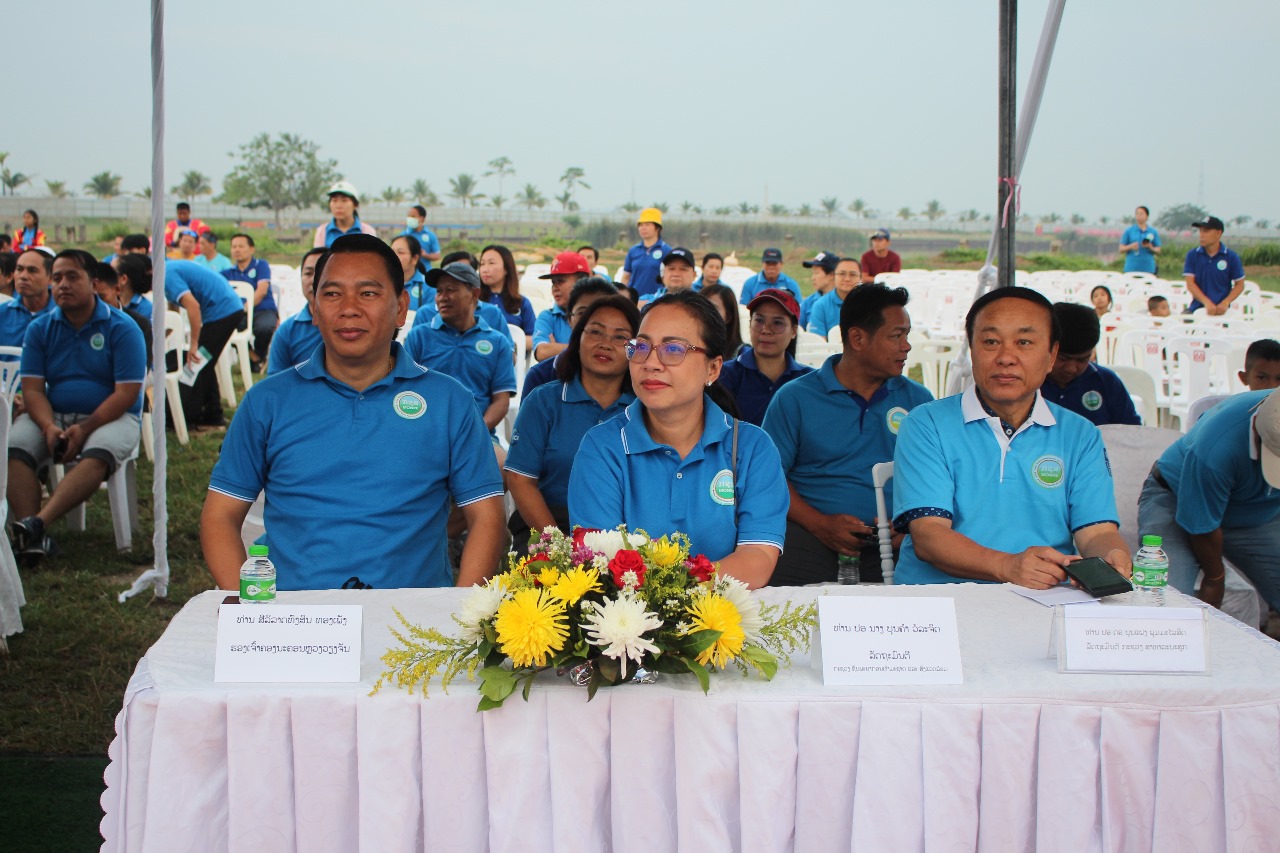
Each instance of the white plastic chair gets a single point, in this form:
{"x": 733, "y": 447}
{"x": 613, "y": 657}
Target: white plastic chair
{"x": 175, "y": 344}
{"x": 882, "y": 473}
{"x": 12, "y": 596}
{"x": 237, "y": 347}
{"x": 1198, "y": 368}
{"x": 1142, "y": 388}
{"x": 122, "y": 494}
{"x": 934, "y": 356}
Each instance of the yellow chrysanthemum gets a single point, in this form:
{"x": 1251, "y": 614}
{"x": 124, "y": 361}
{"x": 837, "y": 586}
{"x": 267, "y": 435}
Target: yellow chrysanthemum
{"x": 548, "y": 577}
{"x": 716, "y": 613}
{"x": 662, "y": 553}
{"x": 531, "y": 625}
{"x": 574, "y": 584}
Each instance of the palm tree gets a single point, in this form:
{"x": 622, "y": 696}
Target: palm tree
{"x": 697, "y": 208}
{"x": 858, "y": 208}
{"x": 1077, "y": 219}
{"x": 10, "y": 180}
{"x": 933, "y": 210}
{"x": 904, "y": 213}
{"x": 104, "y": 185}
{"x": 778, "y": 210}
{"x": 1262, "y": 223}
{"x": 744, "y": 207}
{"x": 1051, "y": 218}
{"x": 805, "y": 210}
{"x": 421, "y": 190}
{"x": 566, "y": 201}
{"x": 393, "y": 195}
{"x": 629, "y": 207}
{"x": 686, "y": 206}
{"x": 571, "y": 179}
{"x": 193, "y": 184}
{"x": 497, "y": 201}
{"x": 57, "y": 189}
{"x": 723, "y": 211}
{"x": 500, "y": 167}
{"x": 145, "y": 192}
{"x": 463, "y": 188}
{"x": 531, "y": 197}
{"x": 661, "y": 205}
{"x": 1241, "y": 221}
{"x": 831, "y": 205}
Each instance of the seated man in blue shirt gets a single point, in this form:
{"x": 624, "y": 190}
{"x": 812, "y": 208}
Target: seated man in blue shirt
{"x": 996, "y": 484}
{"x": 1214, "y": 273}
{"x": 359, "y": 450}
{"x": 298, "y": 336}
{"x": 1076, "y": 382}
{"x": 254, "y": 271}
{"x": 831, "y": 426}
{"x": 31, "y": 296}
{"x": 770, "y": 275}
{"x": 425, "y": 297}
{"x": 1216, "y": 493}
{"x": 822, "y": 268}
{"x": 83, "y": 365}
{"x": 824, "y": 315}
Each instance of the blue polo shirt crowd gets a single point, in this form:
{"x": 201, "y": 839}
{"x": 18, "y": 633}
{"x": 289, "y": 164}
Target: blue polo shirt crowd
{"x": 81, "y": 367}
{"x": 479, "y": 358}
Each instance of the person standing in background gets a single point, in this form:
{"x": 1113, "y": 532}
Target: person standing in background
{"x": 1140, "y": 243}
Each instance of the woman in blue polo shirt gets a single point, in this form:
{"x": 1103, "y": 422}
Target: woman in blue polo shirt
{"x": 769, "y": 363}
{"x": 409, "y": 251}
{"x": 674, "y": 460}
{"x": 499, "y": 274}
{"x": 594, "y": 387}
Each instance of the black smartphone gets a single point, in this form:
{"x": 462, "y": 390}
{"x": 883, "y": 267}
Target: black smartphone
{"x": 1096, "y": 577}
{"x": 60, "y": 451}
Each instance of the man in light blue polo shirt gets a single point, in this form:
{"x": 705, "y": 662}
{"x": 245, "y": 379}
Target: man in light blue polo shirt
{"x": 1216, "y": 493}
{"x": 31, "y": 296}
{"x": 83, "y": 365}
{"x": 254, "y": 271}
{"x": 996, "y": 484}
{"x": 208, "y": 255}
{"x": 459, "y": 344}
{"x": 1214, "y": 273}
{"x": 359, "y": 450}
{"x": 1140, "y": 243}
{"x": 298, "y": 335}
{"x": 831, "y": 426}
{"x": 214, "y": 312}
{"x": 770, "y": 275}
{"x": 825, "y": 313}
{"x": 551, "y": 330}
{"x": 416, "y": 227}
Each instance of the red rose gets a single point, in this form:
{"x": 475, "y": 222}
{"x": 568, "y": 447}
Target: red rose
{"x": 580, "y": 533}
{"x": 540, "y": 558}
{"x": 700, "y": 568}
{"x": 626, "y": 561}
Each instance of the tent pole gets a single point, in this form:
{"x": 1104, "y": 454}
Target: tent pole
{"x": 1006, "y": 208}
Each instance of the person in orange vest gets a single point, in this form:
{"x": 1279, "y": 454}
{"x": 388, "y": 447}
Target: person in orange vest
{"x": 29, "y": 235}
{"x": 174, "y": 227}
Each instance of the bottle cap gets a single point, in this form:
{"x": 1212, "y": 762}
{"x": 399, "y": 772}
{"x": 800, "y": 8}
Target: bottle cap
{"x": 257, "y": 550}
{"x": 1151, "y": 541}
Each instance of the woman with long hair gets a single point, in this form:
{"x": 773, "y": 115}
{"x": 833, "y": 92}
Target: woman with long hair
{"x": 594, "y": 386}
{"x": 29, "y": 235}
{"x": 501, "y": 280}
{"x": 726, "y": 302}
{"x": 675, "y": 460}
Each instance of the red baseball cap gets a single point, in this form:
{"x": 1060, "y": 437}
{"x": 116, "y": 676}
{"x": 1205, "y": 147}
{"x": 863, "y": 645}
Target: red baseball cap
{"x": 567, "y": 263}
{"x": 780, "y": 296}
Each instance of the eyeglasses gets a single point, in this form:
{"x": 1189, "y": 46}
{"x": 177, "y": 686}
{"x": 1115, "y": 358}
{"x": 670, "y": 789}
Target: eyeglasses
{"x": 600, "y": 336}
{"x": 776, "y": 324}
{"x": 670, "y": 353}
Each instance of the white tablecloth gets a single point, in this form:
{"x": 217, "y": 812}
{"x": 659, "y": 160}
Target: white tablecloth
{"x": 1019, "y": 757}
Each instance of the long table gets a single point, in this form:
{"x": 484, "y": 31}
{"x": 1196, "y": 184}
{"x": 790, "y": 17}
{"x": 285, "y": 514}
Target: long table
{"x": 1018, "y": 757}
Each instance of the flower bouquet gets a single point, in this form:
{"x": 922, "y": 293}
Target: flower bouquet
{"x": 607, "y": 604}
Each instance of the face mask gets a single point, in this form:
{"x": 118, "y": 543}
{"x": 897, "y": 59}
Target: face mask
{"x": 411, "y": 221}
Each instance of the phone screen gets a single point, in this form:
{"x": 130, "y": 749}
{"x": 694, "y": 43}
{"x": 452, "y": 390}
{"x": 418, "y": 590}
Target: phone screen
{"x": 1097, "y": 577}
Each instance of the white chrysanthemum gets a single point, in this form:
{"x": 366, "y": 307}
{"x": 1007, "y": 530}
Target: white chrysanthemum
{"x": 600, "y": 562}
{"x": 748, "y": 605}
{"x": 481, "y": 606}
{"x": 618, "y": 627}
{"x": 610, "y": 542}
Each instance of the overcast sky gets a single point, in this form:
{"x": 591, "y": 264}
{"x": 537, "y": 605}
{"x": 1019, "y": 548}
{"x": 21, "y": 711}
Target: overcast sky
{"x": 713, "y": 101}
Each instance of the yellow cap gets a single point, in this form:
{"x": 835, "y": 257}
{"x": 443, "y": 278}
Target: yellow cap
{"x": 651, "y": 214}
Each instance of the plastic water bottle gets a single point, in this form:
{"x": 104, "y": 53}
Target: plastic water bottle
{"x": 848, "y": 569}
{"x": 1150, "y": 572}
{"x": 257, "y": 577}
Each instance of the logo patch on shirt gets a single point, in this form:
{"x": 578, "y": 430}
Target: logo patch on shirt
{"x": 97, "y": 341}
{"x": 1222, "y": 265}
{"x": 253, "y": 273}
{"x": 656, "y": 254}
{"x": 1091, "y": 400}
{"x": 893, "y": 418}
{"x": 1048, "y": 471}
{"x": 409, "y": 405}
{"x": 722, "y": 488}
{"x": 484, "y": 347}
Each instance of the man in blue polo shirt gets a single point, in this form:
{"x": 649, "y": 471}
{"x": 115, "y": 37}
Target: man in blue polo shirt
{"x": 825, "y": 313}
{"x": 822, "y": 268}
{"x": 770, "y": 275}
{"x": 298, "y": 335}
{"x": 1215, "y": 493}
{"x": 1140, "y": 243}
{"x": 207, "y": 254}
{"x": 1076, "y": 382}
{"x": 1214, "y": 273}
{"x": 416, "y": 227}
{"x": 358, "y": 449}
{"x": 459, "y": 344}
{"x": 254, "y": 271}
{"x": 83, "y": 365}
{"x": 31, "y": 296}
{"x": 678, "y": 273}
{"x": 641, "y": 267}
{"x": 831, "y": 426}
{"x": 996, "y": 484}
{"x": 551, "y": 330}
{"x": 214, "y": 312}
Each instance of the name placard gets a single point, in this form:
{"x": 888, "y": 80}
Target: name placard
{"x": 288, "y": 643}
{"x": 1131, "y": 639}
{"x": 876, "y": 640}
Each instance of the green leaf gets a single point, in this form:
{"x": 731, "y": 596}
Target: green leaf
{"x": 669, "y": 663}
{"x": 484, "y": 648}
{"x": 487, "y": 704}
{"x": 593, "y": 683}
{"x": 704, "y": 677}
{"x": 698, "y": 642}
{"x": 528, "y": 683}
{"x": 763, "y": 660}
{"x": 496, "y": 683}
{"x": 610, "y": 669}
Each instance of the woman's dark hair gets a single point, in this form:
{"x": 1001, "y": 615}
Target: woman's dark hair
{"x": 137, "y": 269}
{"x": 733, "y": 323}
{"x": 511, "y": 301}
{"x": 712, "y": 330}
{"x": 464, "y": 257}
{"x": 8, "y": 263}
{"x": 135, "y": 241}
{"x": 569, "y": 364}
{"x": 1110, "y": 299}
{"x": 34, "y": 216}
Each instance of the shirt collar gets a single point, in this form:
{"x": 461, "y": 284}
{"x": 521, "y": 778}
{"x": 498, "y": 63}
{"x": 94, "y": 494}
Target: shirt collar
{"x": 405, "y": 367}
{"x": 716, "y": 424}
{"x": 101, "y": 311}
{"x": 437, "y": 322}
{"x": 747, "y": 358}
{"x": 972, "y": 409}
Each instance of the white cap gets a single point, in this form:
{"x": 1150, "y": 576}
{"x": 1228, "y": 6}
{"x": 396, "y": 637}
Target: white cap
{"x": 344, "y": 188}
{"x": 1268, "y": 425}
